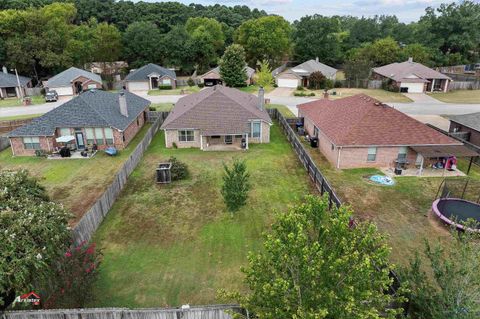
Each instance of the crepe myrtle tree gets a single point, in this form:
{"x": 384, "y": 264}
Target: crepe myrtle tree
{"x": 316, "y": 264}
{"x": 33, "y": 233}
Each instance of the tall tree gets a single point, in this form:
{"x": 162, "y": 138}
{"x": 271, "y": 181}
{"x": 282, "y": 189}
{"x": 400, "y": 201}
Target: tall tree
{"x": 418, "y": 52}
{"x": 232, "y": 66}
{"x": 178, "y": 52}
{"x": 264, "y": 76}
{"x": 106, "y": 42}
{"x": 265, "y": 38}
{"x": 315, "y": 264}
{"x": 142, "y": 44}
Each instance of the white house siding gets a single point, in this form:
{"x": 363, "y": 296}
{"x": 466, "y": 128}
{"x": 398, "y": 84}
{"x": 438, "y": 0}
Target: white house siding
{"x": 138, "y": 86}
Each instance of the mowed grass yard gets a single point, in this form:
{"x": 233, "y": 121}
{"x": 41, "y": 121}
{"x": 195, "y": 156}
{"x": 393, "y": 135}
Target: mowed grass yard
{"x": 9, "y": 102}
{"x": 381, "y": 95}
{"x": 75, "y": 183}
{"x": 177, "y": 91}
{"x": 168, "y": 245}
{"x": 459, "y": 96}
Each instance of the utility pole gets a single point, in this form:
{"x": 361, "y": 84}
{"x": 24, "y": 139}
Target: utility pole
{"x": 18, "y": 82}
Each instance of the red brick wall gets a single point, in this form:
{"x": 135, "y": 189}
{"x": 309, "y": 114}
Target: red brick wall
{"x": 18, "y": 149}
{"x": 324, "y": 143}
{"x": 129, "y": 132}
{"x": 353, "y": 157}
{"x": 474, "y": 135}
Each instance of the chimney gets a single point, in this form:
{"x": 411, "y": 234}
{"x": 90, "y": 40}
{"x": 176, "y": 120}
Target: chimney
{"x": 4, "y": 69}
{"x": 410, "y": 59}
{"x": 122, "y": 102}
{"x": 316, "y": 59}
{"x": 325, "y": 94}
{"x": 261, "y": 98}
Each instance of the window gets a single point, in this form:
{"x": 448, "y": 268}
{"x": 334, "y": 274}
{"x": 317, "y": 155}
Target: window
{"x": 108, "y": 136}
{"x": 315, "y": 131}
{"x": 186, "y": 136}
{"x": 31, "y": 143}
{"x": 90, "y": 136}
{"x": 166, "y": 82}
{"x": 99, "y": 135}
{"x": 402, "y": 153}
{"x": 372, "y": 154}
{"x": 255, "y": 129}
{"x": 65, "y": 131}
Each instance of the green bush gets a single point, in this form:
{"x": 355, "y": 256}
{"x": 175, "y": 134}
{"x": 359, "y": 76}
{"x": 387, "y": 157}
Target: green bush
{"x": 296, "y": 93}
{"x": 190, "y": 82}
{"x": 152, "y": 108}
{"x": 300, "y": 88}
{"x": 164, "y": 87}
{"x": 174, "y": 145}
{"x": 235, "y": 185}
{"x": 275, "y": 85}
{"x": 338, "y": 84}
{"x": 312, "y": 94}
{"x": 179, "y": 169}
{"x": 201, "y": 85}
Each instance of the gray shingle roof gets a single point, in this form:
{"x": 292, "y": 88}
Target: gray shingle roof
{"x": 250, "y": 71}
{"x": 66, "y": 77}
{"x": 10, "y": 80}
{"x": 90, "y": 109}
{"x": 310, "y": 66}
{"x": 215, "y": 111}
{"x": 142, "y": 73}
{"x": 402, "y": 71}
{"x": 470, "y": 120}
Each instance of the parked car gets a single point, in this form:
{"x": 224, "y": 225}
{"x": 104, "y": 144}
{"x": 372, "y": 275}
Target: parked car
{"x": 51, "y": 96}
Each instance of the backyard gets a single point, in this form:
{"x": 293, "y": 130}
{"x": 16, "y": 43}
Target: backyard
{"x": 459, "y": 96}
{"x": 168, "y": 245}
{"x": 75, "y": 183}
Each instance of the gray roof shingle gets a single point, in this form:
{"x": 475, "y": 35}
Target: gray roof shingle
{"x": 250, "y": 71}
{"x": 310, "y": 66}
{"x": 215, "y": 111}
{"x": 402, "y": 71}
{"x": 10, "y": 80}
{"x": 90, "y": 109}
{"x": 470, "y": 120}
{"x": 66, "y": 77}
{"x": 142, "y": 73}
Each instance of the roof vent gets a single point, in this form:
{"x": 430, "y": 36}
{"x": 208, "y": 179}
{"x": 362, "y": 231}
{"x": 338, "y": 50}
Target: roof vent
{"x": 122, "y": 102}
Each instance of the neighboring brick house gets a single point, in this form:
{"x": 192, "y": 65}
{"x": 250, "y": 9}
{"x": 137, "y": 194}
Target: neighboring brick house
{"x": 93, "y": 117}
{"x": 218, "y": 118}
{"x": 466, "y": 126}
{"x": 412, "y": 77}
{"x": 150, "y": 77}
{"x": 73, "y": 81}
{"x": 213, "y": 76}
{"x": 300, "y": 74}
{"x": 359, "y": 131}
{"x": 9, "y": 84}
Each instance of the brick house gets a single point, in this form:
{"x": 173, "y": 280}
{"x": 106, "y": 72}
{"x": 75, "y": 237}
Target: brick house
{"x": 73, "y": 81}
{"x": 150, "y": 77}
{"x": 300, "y": 74}
{"x": 359, "y": 131}
{"x": 218, "y": 118}
{"x": 93, "y": 117}
{"x": 466, "y": 126}
{"x": 9, "y": 84}
{"x": 213, "y": 76}
{"x": 412, "y": 77}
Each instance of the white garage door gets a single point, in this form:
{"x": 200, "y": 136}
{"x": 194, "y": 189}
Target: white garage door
{"x": 412, "y": 87}
{"x": 138, "y": 86}
{"x": 63, "y": 91}
{"x": 287, "y": 83}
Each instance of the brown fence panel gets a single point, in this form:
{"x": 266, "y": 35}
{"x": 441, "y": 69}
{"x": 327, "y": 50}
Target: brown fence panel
{"x": 8, "y": 126}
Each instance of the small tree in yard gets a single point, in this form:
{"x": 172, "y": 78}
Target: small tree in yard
{"x": 264, "y": 74}
{"x": 235, "y": 185}
{"x": 316, "y": 264}
{"x": 317, "y": 80}
{"x": 453, "y": 292}
{"x": 232, "y": 66}
{"x": 179, "y": 169}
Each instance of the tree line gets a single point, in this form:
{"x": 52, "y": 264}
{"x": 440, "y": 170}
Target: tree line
{"x": 42, "y": 37}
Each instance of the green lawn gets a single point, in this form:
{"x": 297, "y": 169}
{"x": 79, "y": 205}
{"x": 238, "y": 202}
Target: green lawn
{"x": 75, "y": 183}
{"x": 254, "y": 89}
{"x": 284, "y": 110}
{"x": 37, "y": 99}
{"x": 177, "y": 91}
{"x": 19, "y": 117}
{"x": 458, "y": 96}
{"x": 162, "y": 107}
{"x": 167, "y": 245}
{"x": 381, "y": 95}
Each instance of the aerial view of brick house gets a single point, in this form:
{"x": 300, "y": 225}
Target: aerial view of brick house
{"x": 359, "y": 131}
{"x": 94, "y": 117}
{"x": 73, "y": 81}
{"x": 218, "y": 118}
{"x": 213, "y": 76}
{"x": 9, "y": 84}
{"x": 300, "y": 74}
{"x": 412, "y": 77}
{"x": 150, "y": 77}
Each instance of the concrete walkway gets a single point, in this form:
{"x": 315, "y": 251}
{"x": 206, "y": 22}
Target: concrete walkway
{"x": 422, "y": 98}
{"x": 280, "y": 92}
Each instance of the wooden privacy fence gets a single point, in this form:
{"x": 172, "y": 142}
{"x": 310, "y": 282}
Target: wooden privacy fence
{"x": 89, "y": 223}
{"x": 8, "y": 126}
{"x": 317, "y": 177}
{"x": 464, "y": 85}
{"x": 197, "y": 312}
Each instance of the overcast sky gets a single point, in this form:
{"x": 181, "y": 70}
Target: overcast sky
{"x": 405, "y": 10}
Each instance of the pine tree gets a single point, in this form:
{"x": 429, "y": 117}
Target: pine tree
{"x": 232, "y": 66}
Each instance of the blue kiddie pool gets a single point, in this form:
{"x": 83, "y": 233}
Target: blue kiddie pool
{"x": 112, "y": 151}
{"x": 382, "y": 180}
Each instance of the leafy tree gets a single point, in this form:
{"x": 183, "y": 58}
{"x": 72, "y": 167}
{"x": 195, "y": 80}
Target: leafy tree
{"x": 178, "y": 52}
{"x": 382, "y": 51}
{"x": 357, "y": 68}
{"x": 235, "y": 185}
{"x": 207, "y": 41}
{"x": 315, "y": 264}
{"x": 454, "y": 290}
{"x": 106, "y": 42}
{"x": 418, "y": 52}
{"x": 265, "y": 38}
{"x": 34, "y": 233}
{"x": 179, "y": 169}
{"x": 142, "y": 44}
{"x": 264, "y": 76}
{"x": 232, "y": 66}
{"x": 317, "y": 80}
{"x": 318, "y": 36}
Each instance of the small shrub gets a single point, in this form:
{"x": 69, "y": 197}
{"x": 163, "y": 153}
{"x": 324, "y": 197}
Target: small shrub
{"x": 312, "y": 94}
{"x": 164, "y": 87}
{"x": 300, "y": 88}
{"x": 275, "y": 85}
{"x": 174, "y": 145}
{"x": 329, "y": 84}
{"x": 190, "y": 82}
{"x": 296, "y": 93}
{"x": 338, "y": 84}
{"x": 152, "y": 108}
{"x": 201, "y": 85}
{"x": 235, "y": 185}
{"x": 179, "y": 169}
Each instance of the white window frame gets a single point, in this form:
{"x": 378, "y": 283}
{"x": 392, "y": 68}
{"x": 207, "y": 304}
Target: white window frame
{"x": 372, "y": 151}
{"x": 31, "y": 143}
{"x": 402, "y": 150}
{"x": 259, "y": 132}
{"x": 99, "y": 136}
{"x": 90, "y": 135}
{"x": 186, "y": 136}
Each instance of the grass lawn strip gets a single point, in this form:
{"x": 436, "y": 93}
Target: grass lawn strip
{"x": 458, "y": 96}
{"x": 177, "y": 91}
{"x": 10, "y": 102}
